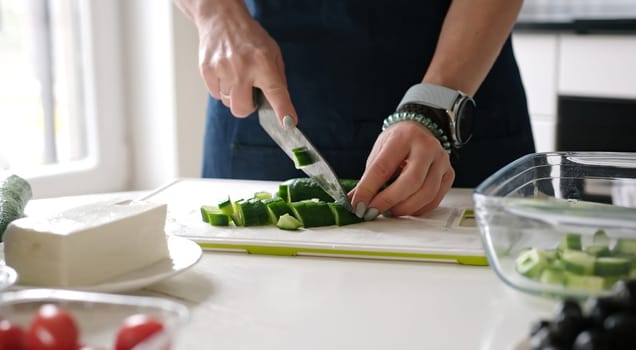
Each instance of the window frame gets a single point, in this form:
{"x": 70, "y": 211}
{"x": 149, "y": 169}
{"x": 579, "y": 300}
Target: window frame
{"x": 106, "y": 167}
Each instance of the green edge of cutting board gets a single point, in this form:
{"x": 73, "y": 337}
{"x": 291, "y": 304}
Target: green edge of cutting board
{"x": 294, "y": 251}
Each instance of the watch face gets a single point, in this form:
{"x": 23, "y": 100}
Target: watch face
{"x": 465, "y": 121}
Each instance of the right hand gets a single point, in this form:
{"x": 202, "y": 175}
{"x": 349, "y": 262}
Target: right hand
{"x": 236, "y": 54}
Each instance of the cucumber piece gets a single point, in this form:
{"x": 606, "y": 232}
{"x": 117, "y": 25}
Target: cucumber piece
{"x": 288, "y": 222}
{"x": 578, "y": 262}
{"x": 262, "y": 195}
{"x": 342, "y": 216}
{"x": 237, "y": 213}
{"x": 251, "y": 212}
{"x": 214, "y": 216}
{"x": 276, "y": 207}
{"x": 312, "y": 213}
{"x": 625, "y": 246}
{"x": 611, "y": 266}
{"x": 552, "y": 276}
{"x": 570, "y": 241}
{"x": 302, "y": 157}
{"x": 592, "y": 283}
{"x": 601, "y": 238}
{"x": 531, "y": 263}
{"x": 227, "y": 207}
{"x": 597, "y": 249}
{"x": 15, "y": 193}
{"x": 303, "y": 188}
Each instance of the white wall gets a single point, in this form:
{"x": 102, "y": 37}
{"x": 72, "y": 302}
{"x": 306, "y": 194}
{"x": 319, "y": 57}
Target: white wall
{"x": 165, "y": 96}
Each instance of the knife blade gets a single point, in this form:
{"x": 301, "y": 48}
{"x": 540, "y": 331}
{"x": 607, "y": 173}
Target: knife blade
{"x": 292, "y": 138}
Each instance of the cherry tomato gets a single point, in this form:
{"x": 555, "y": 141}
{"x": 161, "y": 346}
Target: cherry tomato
{"x": 135, "y": 329}
{"x": 52, "y": 328}
{"x": 11, "y": 336}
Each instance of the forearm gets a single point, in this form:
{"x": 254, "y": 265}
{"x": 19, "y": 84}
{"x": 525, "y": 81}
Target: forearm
{"x": 471, "y": 38}
{"x": 200, "y": 11}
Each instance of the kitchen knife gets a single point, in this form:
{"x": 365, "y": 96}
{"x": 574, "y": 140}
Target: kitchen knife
{"x": 289, "y": 139}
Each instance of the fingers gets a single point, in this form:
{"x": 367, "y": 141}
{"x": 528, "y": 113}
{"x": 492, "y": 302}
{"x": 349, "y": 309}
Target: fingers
{"x": 425, "y": 174}
{"x": 387, "y": 155}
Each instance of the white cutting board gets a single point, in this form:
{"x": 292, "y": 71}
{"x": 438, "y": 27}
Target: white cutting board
{"x": 433, "y": 236}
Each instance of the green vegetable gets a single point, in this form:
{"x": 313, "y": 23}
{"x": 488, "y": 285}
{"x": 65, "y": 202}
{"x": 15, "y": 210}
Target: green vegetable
{"x": 15, "y": 193}
{"x": 312, "y": 213}
{"x": 276, "y": 207}
{"x": 342, "y": 216}
{"x": 299, "y": 189}
{"x": 288, "y": 222}
{"x": 302, "y": 157}
{"x": 214, "y": 216}
{"x": 251, "y": 212}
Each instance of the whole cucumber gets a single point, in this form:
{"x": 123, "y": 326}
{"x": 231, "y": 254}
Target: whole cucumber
{"x": 15, "y": 193}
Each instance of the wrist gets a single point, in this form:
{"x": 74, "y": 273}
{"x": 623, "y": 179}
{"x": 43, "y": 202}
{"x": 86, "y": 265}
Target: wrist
{"x": 422, "y": 120}
{"x": 207, "y": 11}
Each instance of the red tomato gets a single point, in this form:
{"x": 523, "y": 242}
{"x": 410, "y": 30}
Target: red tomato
{"x": 11, "y": 336}
{"x": 135, "y": 329}
{"x": 52, "y": 328}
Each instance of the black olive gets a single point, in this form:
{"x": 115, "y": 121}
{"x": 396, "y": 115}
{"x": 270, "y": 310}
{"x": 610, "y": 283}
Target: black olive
{"x": 570, "y": 307}
{"x": 538, "y": 325}
{"x": 565, "y": 328}
{"x": 542, "y": 339}
{"x": 591, "y": 339}
{"x": 621, "y": 330}
{"x": 625, "y": 293}
{"x": 600, "y": 308}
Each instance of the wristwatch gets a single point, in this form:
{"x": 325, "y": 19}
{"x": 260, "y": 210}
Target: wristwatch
{"x": 452, "y": 110}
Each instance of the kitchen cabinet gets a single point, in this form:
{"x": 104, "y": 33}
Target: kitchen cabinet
{"x": 554, "y": 64}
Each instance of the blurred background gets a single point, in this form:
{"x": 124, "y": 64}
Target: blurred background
{"x": 101, "y": 96}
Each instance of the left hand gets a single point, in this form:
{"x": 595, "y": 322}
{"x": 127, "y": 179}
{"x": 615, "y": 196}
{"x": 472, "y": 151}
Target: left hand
{"x": 422, "y": 168}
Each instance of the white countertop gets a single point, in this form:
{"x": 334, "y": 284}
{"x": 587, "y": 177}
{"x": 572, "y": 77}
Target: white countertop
{"x": 243, "y": 301}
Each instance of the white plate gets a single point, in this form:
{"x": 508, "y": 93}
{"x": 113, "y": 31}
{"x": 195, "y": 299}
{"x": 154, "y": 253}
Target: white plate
{"x": 184, "y": 253}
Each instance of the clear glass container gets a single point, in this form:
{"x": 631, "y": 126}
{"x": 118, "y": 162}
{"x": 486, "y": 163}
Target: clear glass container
{"x": 98, "y": 315}
{"x": 535, "y": 201}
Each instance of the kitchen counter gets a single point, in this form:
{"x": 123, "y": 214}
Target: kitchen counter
{"x": 243, "y": 301}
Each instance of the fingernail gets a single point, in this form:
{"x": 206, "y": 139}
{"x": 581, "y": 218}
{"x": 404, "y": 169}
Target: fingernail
{"x": 371, "y": 214}
{"x": 388, "y": 214}
{"x": 360, "y": 209}
{"x": 288, "y": 122}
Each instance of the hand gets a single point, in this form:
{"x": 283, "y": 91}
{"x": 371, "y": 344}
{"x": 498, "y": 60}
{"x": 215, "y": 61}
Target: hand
{"x": 236, "y": 54}
{"x": 422, "y": 166}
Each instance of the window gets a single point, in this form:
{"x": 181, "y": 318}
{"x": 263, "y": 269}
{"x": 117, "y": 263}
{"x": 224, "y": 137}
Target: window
{"x": 61, "y": 111}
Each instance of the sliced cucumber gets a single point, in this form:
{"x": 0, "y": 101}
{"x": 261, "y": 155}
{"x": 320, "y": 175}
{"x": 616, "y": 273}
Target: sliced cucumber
{"x": 342, "y": 216}
{"x": 251, "y": 212}
{"x": 312, "y": 213}
{"x": 570, "y": 241}
{"x": 262, "y": 195}
{"x": 531, "y": 263}
{"x": 214, "y": 216}
{"x": 276, "y": 207}
{"x": 601, "y": 238}
{"x": 15, "y": 193}
{"x": 611, "y": 266}
{"x": 303, "y": 188}
{"x": 625, "y": 246}
{"x": 302, "y": 157}
{"x": 226, "y": 207}
{"x": 578, "y": 262}
{"x": 597, "y": 250}
{"x": 552, "y": 276}
{"x": 288, "y": 222}
{"x": 592, "y": 283}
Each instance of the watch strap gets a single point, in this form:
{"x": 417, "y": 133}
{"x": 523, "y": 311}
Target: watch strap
{"x": 435, "y": 96}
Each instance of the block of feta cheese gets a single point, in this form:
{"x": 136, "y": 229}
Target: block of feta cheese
{"x": 86, "y": 245}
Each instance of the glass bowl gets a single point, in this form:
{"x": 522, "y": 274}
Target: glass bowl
{"x": 98, "y": 315}
{"x": 561, "y": 224}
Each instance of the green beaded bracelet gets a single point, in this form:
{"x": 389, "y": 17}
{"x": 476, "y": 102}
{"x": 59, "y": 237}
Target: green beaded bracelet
{"x": 421, "y": 119}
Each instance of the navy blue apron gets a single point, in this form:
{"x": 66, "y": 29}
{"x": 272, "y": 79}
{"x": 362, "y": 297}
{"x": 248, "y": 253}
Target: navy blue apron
{"x": 348, "y": 64}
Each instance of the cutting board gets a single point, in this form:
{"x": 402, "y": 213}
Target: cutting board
{"x": 447, "y": 233}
